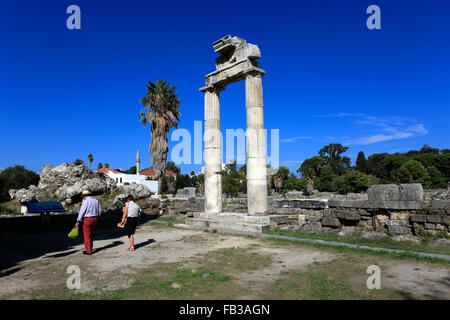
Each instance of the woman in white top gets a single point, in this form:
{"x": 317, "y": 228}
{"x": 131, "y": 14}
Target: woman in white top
{"x": 132, "y": 214}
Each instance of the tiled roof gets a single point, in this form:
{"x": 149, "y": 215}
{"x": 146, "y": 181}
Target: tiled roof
{"x": 151, "y": 172}
{"x": 108, "y": 170}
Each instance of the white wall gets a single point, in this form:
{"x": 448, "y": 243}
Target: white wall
{"x": 121, "y": 178}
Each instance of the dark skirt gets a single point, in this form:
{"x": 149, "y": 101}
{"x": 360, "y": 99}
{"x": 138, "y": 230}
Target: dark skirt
{"x": 130, "y": 226}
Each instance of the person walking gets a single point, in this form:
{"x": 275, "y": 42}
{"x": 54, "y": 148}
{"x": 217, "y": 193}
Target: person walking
{"x": 90, "y": 211}
{"x": 132, "y": 216}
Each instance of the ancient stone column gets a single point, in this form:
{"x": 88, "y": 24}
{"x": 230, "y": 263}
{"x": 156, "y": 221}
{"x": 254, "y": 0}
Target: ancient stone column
{"x": 138, "y": 162}
{"x": 256, "y": 145}
{"x": 213, "y": 151}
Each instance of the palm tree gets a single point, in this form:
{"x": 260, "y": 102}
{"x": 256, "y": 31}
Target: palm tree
{"x": 90, "y": 157}
{"x": 161, "y": 111}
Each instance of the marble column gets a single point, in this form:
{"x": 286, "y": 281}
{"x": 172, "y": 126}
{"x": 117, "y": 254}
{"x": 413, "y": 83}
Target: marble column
{"x": 213, "y": 151}
{"x": 256, "y": 145}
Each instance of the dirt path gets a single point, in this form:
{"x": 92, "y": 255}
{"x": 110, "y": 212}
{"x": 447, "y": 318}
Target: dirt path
{"x": 30, "y": 263}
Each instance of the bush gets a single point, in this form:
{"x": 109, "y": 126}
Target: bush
{"x": 352, "y": 181}
{"x": 326, "y": 179}
{"x": 412, "y": 171}
{"x": 16, "y": 177}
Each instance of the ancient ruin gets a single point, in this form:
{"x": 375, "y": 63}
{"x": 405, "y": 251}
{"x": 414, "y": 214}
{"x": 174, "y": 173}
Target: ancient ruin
{"x": 236, "y": 62}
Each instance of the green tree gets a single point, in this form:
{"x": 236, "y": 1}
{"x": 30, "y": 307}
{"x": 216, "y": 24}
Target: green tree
{"x": 332, "y": 154}
{"x": 361, "y": 162}
{"x": 392, "y": 163}
{"x": 411, "y": 171}
{"x": 437, "y": 179}
{"x": 131, "y": 170}
{"x": 100, "y": 165}
{"x": 161, "y": 111}
{"x": 173, "y": 167}
{"x": 106, "y": 165}
{"x": 427, "y": 149}
{"x": 376, "y": 166}
{"x": 17, "y": 177}
{"x": 90, "y": 157}
{"x": 352, "y": 181}
{"x": 231, "y": 180}
{"x": 326, "y": 179}
{"x": 311, "y": 167}
{"x": 77, "y": 162}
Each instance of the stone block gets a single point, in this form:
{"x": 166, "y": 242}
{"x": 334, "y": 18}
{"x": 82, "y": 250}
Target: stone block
{"x": 430, "y": 226}
{"x": 347, "y": 215}
{"x": 436, "y": 218}
{"x": 399, "y": 229}
{"x": 441, "y": 204}
{"x": 338, "y": 203}
{"x": 383, "y": 192}
{"x": 301, "y": 219}
{"x": 411, "y": 192}
{"x": 399, "y": 215}
{"x": 313, "y": 218}
{"x": 403, "y": 223}
{"x": 418, "y": 217}
{"x": 331, "y": 222}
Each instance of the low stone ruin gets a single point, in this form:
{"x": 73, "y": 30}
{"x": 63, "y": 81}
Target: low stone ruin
{"x": 65, "y": 183}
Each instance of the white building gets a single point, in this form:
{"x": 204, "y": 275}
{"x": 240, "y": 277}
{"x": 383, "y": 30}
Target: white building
{"x": 122, "y": 178}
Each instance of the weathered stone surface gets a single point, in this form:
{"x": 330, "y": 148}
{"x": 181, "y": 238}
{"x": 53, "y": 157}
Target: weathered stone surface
{"x": 383, "y": 192}
{"x": 440, "y": 243}
{"x": 440, "y": 204}
{"x": 407, "y": 238}
{"x": 397, "y": 205}
{"x": 301, "y": 203}
{"x": 70, "y": 180}
{"x": 301, "y": 219}
{"x": 186, "y": 193}
{"x": 347, "y": 215}
{"x": 311, "y": 219}
{"x": 372, "y": 235}
{"x": 436, "y": 218}
{"x": 11, "y": 193}
{"x": 398, "y": 215}
{"x": 430, "y": 226}
{"x": 403, "y": 223}
{"x": 295, "y": 194}
{"x": 411, "y": 192}
{"x": 418, "y": 217}
{"x": 399, "y": 229}
{"x": 24, "y": 195}
{"x": 346, "y": 232}
{"x": 391, "y": 196}
{"x": 342, "y": 203}
{"x": 330, "y": 222}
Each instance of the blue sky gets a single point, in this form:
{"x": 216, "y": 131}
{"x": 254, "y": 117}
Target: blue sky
{"x": 67, "y": 93}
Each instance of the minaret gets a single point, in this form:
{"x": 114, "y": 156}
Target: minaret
{"x": 138, "y": 161}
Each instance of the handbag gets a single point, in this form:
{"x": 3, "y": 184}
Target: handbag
{"x": 74, "y": 233}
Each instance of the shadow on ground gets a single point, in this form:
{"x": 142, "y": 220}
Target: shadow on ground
{"x": 19, "y": 247}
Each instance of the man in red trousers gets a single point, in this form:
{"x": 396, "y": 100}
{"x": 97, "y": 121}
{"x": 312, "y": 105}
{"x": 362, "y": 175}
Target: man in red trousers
{"x": 90, "y": 211}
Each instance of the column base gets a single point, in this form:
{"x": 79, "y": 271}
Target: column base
{"x": 234, "y": 221}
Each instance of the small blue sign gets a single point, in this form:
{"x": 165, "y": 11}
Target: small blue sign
{"x": 38, "y": 207}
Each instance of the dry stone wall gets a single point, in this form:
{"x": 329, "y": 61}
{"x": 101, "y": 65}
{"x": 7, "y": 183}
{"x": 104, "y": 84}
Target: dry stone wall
{"x": 400, "y": 210}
